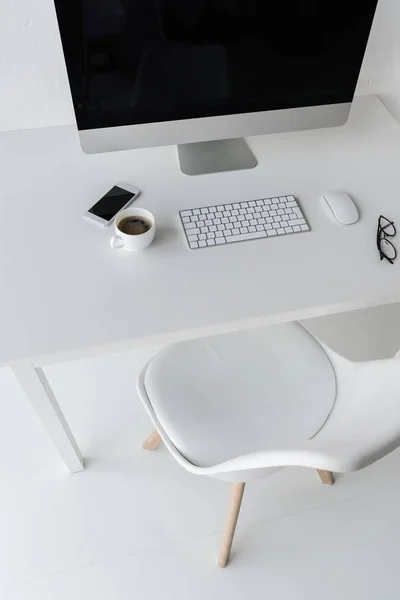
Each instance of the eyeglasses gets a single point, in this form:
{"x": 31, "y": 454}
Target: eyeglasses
{"x": 386, "y": 229}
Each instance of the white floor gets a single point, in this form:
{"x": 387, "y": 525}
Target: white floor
{"x": 135, "y": 525}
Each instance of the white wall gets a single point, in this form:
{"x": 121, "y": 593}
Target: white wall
{"x": 33, "y": 84}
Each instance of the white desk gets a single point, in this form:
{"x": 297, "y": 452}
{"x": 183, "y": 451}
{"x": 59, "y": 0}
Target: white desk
{"x": 66, "y": 294}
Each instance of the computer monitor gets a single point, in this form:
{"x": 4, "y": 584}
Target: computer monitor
{"x": 202, "y": 73}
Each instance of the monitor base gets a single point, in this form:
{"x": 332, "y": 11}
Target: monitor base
{"x": 217, "y": 156}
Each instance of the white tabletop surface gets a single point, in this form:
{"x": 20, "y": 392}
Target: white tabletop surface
{"x": 64, "y": 289}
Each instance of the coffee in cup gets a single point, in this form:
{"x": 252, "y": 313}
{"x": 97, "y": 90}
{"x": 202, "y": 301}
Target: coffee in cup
{"x": 134, "y": 225}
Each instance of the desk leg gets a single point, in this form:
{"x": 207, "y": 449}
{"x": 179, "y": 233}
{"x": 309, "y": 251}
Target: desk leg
{"x": 35, "y": 385}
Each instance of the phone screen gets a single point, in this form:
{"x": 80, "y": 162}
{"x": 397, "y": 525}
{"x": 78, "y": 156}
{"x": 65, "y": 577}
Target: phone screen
{"x": 108, "y": 206}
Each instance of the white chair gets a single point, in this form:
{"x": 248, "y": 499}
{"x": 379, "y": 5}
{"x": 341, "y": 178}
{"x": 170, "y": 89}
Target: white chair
{"x": 243, "y": 405}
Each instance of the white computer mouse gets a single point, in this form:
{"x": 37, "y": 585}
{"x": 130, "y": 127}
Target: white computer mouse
{"x": 342, "y": 207}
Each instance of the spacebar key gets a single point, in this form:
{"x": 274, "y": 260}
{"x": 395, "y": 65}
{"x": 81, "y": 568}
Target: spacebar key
{"x": 246, "y": 236}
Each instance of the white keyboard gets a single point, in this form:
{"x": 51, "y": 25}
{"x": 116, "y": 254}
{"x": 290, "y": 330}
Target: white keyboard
{"x": 242, "y": 221}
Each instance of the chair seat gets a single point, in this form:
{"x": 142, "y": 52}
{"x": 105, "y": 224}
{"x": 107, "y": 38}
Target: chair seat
{"x": 225, "y": 396}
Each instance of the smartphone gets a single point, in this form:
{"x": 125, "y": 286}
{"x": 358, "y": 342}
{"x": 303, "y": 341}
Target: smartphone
{"x": 105, "y": 210}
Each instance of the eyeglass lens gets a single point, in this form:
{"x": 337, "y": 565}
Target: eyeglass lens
{"x": 387, "y": 227}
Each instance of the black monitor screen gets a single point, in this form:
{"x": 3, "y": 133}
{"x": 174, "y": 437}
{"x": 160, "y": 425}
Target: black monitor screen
{"x": 142, "y": 61}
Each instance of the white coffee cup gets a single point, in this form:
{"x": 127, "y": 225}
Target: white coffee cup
{"x": 136, "y": 241}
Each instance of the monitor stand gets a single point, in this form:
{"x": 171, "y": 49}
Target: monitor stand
{"x": 218, "y": 156}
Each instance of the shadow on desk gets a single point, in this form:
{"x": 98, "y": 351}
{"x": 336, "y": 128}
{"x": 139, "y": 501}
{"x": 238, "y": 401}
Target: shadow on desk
{"x": 166, "y": 234}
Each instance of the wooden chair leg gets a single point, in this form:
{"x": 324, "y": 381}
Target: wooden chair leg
{"x": 153, "y": 441}
{"x": 230, "y": 524}
{"x": 326, "y": 477}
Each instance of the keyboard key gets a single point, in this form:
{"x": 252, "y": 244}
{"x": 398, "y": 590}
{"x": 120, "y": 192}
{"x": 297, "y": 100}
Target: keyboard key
{"x": 186, "y": 213}
{"x": 210, "y": 242}
{"x": 242, "y": 211}
{"x": 244, "y": 230}
{"x": 252, "y": 203}
{"x": 291, "y": 204}
{"x": 246, "y": 236}
{"x": 260, "y": 228}
{"x": 267, "y": 226}
{"x": 292, "y": 222}
{"x": 273, "y": 213}
{"x": 281, "y": 205}
{"x": 250, "y": 210}
{"x": 202, "y": 236}
{"x": 235, "y": 231}
{"x": 278, "y": 219}
{"x": 267, "y": 201}
{"x": 245, "y": 223}
{"x": 258, "y": 209}
{"x": 273, "y": 206}
{"x": 232, "y": 219}
{"x": 304, "y": 227}
{"x": 193, "y": 231}
{"x": 226, "y": 213}
{"x": 212, "y": 209}
{"x": 271, "y": 232}
{"x": 224, "y": 220}
{"x": 220, "y": 240}
{"x": 228, "y": 206}
{"x": 185, "y": 219}
{"x": 280, "y": 211}
{"x": 190, "y": 225}
{"x": 269, "y": 220}
{"x": 221, "y": 227}
{"x": 261, "y": 221}
{"x": 228, "y": 232}
{"x": 285, "y": 218}
{"x": 202, "y": 243}
{"x": 276, "y": 225}
{"x": 211, "y": 235}
{"x": 289, "y": 229}
{"x": 241, "y": 218}
{"x": 208, "y": 222}
{"x": 218, "y": 234}
{"x": 213, "y": 228}
{"x": 245, "y": 204}
{"x": 229, "y": 226}
{"x": 288, "y": 211}
{"x": 202, "y": 217}
{"x": 204, "y": 229}
{"x": 235, "y": 212}
{"x": 204, "y": 211}
{"x": 280, "y": 231}
{"x": 194, "y": 218}
{"x": 192, "y": 238}
{"x": 251, "y": 229}
{"x": 236, "y": 205}
{"x": 296, "y": 228}
{"x": 260, "y": 202}
{"x": 218, "y": 215}
{"x": 196, "y": 211}
{"x": 253, "y": 222}
{"x": 194, "y": 245}
{"x": 217, "y": 221}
